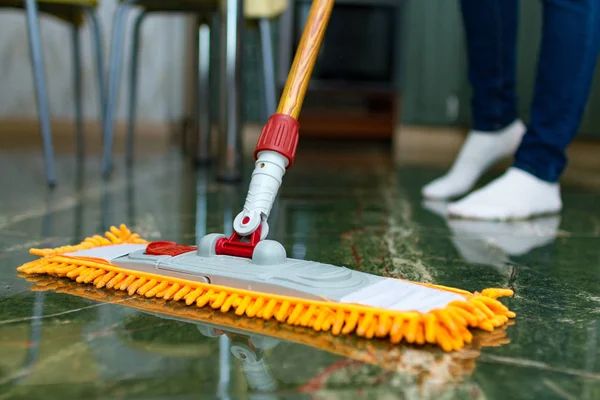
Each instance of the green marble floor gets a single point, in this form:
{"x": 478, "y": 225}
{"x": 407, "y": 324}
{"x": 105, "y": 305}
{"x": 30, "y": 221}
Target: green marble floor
{"x": 350, "y": 207}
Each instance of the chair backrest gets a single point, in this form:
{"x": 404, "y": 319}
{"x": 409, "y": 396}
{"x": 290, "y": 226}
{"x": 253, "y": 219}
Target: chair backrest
{"x": 264, "y": 8}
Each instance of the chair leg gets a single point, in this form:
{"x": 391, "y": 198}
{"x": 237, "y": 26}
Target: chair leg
{"x": 99, "y": 56}
{"x": 116, "y": 59}
{"x": 133, "y": 81}
{"x": 204, "y": 116}
{"x": 37, "y": 59}
{"x": 268, "y": 63}
{"x": 77, "y": 91}
{"x": 191, "y": 130}
{"x": 231, "y": 78}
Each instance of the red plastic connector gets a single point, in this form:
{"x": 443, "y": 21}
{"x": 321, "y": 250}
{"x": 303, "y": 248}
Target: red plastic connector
{"x": 164, "y": 248}
{"x": 235, "y": 247}
{"x": 280, "y": 134}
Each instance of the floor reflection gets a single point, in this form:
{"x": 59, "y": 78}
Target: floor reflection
{"x": 130, "y": 342}
{"x": 35, "y": 331}
{"x": 494, "y": 242}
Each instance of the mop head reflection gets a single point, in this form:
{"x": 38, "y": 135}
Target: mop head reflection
{"x": 252, "y": 340}
{"x": 270, "y": 286}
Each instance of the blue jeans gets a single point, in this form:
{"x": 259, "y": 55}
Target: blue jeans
{"x": 566, "y": 63}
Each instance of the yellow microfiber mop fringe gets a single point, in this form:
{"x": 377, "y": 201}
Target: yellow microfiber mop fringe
{"x": 447, "y": 327}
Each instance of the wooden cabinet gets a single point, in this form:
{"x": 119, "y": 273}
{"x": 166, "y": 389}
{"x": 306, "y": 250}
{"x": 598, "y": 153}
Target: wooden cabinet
{"x": 353, "y": 91}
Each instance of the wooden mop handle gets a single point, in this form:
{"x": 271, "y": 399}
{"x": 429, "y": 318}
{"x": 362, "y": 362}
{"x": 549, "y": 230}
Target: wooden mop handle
{"x": 276, "y": 146}
{"x": 280, "y": 134}
{"x": 305, "y": 59}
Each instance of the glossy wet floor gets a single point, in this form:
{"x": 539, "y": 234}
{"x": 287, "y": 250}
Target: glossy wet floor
{"x": 348, "y": 207}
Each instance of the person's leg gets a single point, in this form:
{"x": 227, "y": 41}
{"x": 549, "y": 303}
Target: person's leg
{"x": 491, "y": 35}
{"x": 568, "y": 55}
{"x": 567, "y": 61}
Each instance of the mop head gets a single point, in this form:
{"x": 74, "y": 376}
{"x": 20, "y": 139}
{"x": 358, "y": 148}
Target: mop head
{"x": 307, "y": 294}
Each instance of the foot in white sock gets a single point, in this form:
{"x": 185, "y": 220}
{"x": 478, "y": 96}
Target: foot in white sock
{"x": 479, "y": 152}
{"x": 515, "y": 195}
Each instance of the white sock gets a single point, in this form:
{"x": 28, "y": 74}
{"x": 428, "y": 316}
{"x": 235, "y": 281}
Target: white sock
{"x": 515, "y": 195}
{"x": 479, "y": 152}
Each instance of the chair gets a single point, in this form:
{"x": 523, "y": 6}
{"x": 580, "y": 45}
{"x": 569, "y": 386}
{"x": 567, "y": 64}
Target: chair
{"x": 73, "y": 12}
{"x": 232, "y": 14}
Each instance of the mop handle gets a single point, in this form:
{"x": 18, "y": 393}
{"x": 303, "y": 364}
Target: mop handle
{"x": 305, "y": 59}
{"x": 276, "y": 146}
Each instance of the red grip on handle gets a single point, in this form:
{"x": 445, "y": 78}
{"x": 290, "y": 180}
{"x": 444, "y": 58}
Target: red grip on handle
{"x": 280, "y": 134}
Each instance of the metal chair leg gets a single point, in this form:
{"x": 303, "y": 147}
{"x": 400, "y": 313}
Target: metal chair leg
{"x": 97, "y": 41}
{"x": 231, "y": 78}
{"x": 133, "y": 81}
{"x": 116, "y": 59}
{"x": 204, "y": 113}
{"x": 77, "y": 91}
{"x": 190, "y": 132}
{"x": 37, "y": 60}
{"x": 268, "y": 64}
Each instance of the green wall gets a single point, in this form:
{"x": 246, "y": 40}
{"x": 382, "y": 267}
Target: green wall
{"x": 434, "y": 79}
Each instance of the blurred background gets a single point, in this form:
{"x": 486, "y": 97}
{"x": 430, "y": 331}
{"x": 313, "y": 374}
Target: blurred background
{"x": 384, "y": 64}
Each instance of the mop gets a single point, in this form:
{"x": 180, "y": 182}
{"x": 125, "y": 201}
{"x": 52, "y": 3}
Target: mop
{"x": 247, "y": 274}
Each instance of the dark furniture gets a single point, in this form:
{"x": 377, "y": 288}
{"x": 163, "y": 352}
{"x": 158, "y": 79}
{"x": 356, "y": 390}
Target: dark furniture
{"x": 354, "y": 89}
